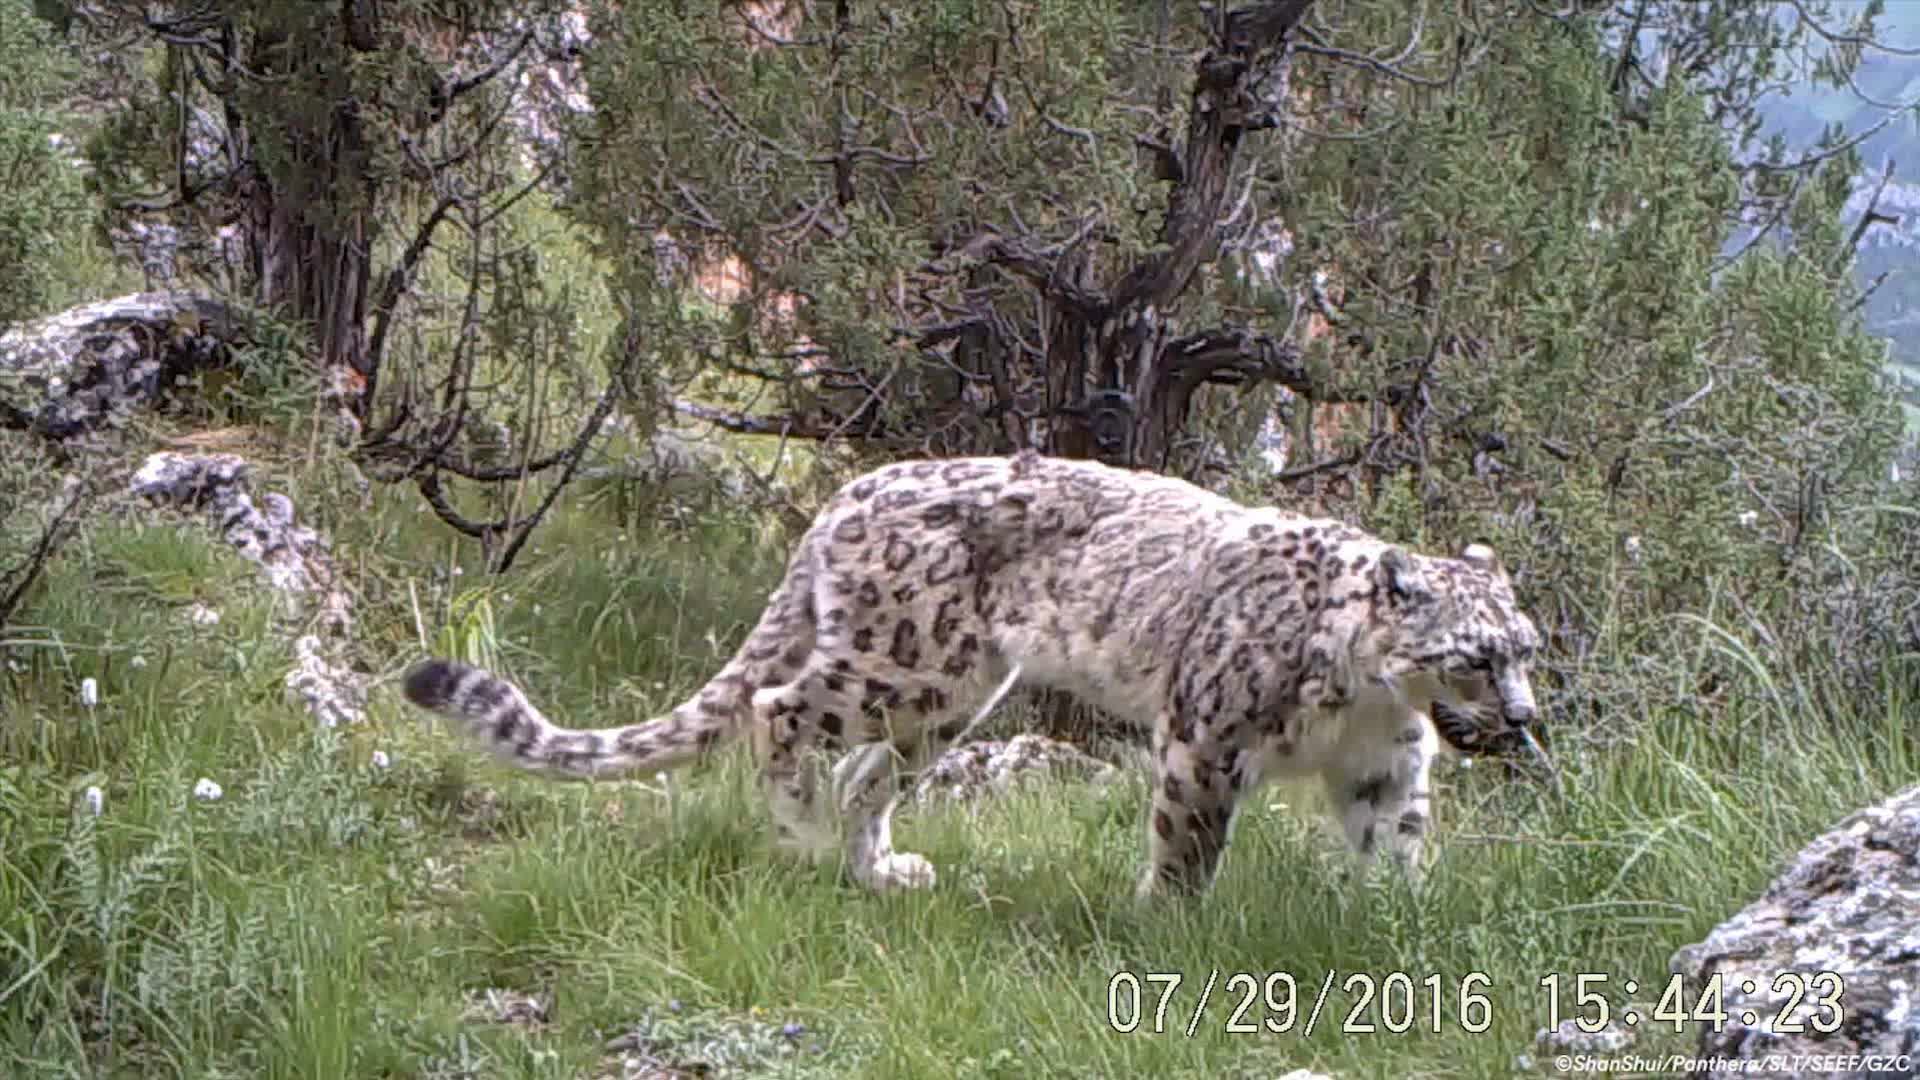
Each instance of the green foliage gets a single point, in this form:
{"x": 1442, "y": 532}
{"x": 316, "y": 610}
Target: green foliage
{"x": 1641, "y": 398}
{"x": 1530, "y": 266}
{"x": 726, "y": 169}
{"x": 45, "y": 249}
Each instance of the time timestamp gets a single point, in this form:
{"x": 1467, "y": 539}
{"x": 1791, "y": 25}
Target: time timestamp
{"x": 1805, "y": 1002}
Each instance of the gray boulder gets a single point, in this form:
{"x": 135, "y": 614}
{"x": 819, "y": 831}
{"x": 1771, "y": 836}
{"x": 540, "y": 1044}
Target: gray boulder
{"x": 87, "y": 367}
{"x": 1849, "y": 904}
{"x": 992, "y": 766}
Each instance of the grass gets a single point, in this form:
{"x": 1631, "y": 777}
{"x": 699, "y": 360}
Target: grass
{"x": 330, "y": 918}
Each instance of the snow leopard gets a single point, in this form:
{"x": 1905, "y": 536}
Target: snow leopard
{"x": 1251, "y": 642}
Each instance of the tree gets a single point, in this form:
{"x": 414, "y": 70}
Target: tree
{"x": 966, "y": 225}
{"x": 316, "y": 160}
{"x": 949, "y": 199}
{"x": 308, "y": 136}
{"x": 1573, "y": 339}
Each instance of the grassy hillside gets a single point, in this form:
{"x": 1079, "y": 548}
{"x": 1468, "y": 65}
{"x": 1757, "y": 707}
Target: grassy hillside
{"x": 429, "y": 914}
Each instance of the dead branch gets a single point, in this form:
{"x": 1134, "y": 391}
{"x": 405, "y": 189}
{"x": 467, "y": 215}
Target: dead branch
{"x": 1871, "y": 216}
{"x": 788, "y": 426}
{"x": 515, "y": 531}
{"x": 17, "y": 579}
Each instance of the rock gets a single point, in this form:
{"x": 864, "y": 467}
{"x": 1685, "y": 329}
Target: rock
{"x": 189, "y": 481}
{"x": 293, "y": 558}
{"x": 1568, "y": 1038}
{"x": 496, "y": 1005}
{"x": 1849, "y": 904}
{"x": 84, "y": 368}
{"x": 994, "y": 766}
{"x": 328, "y": 690}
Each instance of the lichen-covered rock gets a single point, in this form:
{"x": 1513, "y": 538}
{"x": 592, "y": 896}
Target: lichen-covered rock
{"x": 1569, "y": 1038}
{"x": 331, "y": 693}
{"x": 189, "y": 481}
{"x": 992, "y": 766}
{"x": 293, "y": 558}
{"x": 84, "y": 368}
{"x": 1849, "y": 904}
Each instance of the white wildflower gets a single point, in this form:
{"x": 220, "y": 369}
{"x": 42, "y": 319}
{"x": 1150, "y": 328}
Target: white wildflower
{"x": 1749, "y": 519}
{"x": 381, "y": 760}
{"x": 207, "y": 791}
{"x": 89, "y": 692}
{"x": 1633, "y": 548}
{"x": 95, "y": 799}
{"x": 137, "y": 662}
{"x": 202, "y": 615}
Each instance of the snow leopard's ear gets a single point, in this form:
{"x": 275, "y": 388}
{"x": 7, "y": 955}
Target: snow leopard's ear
{"x": 1402, "y": 578}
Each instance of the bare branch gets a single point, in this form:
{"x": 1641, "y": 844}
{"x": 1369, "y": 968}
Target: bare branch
{"x": 788, "y": 427}
{"x": 60, "y": 525}
{"x": 517, "y": 530}
{"x": 1036, "y": 268}
{"x": 1388, "y": 66}
{"x": 444, "y": 95}
{"x": 1224, "y": 107}
{"x": 399, "y": 277}
{"x": 1288, "y": 476}
{"x": 1871, "y": 216}
{"x": 1850, "y": 40}
{"x": 1237, "y": 356}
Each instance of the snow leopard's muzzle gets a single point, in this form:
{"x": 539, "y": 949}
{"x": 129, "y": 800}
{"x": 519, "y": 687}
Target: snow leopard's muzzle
{"x": 1517, "y": 707}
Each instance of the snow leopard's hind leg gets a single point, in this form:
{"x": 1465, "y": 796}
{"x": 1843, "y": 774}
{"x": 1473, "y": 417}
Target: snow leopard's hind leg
{"x": 873, "y": 780}
{"x": 801, "y": 727}
{"x": 882, "y": 733}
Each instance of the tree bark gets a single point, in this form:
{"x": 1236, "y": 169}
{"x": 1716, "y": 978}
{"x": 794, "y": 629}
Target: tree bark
{"x": 311, "y": 247}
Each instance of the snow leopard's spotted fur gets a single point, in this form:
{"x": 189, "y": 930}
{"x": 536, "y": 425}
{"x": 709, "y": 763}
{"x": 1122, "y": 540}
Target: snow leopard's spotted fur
{"x": 1251, "y": 642}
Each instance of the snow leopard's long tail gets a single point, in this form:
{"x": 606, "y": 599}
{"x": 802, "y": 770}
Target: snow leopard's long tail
{"x": 493, "y": 712}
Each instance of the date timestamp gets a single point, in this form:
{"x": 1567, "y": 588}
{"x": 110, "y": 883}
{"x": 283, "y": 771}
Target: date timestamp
{"x": 1275, "y": 1002}
{"x": 1805, "y": 1003}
